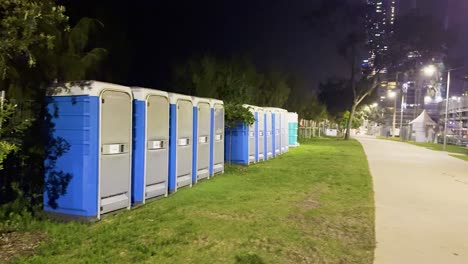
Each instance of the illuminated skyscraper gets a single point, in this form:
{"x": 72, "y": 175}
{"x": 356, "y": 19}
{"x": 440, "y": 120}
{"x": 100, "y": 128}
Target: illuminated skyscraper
{"x": 380, "y": 17}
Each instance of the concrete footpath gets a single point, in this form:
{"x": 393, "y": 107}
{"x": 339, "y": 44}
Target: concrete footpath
{"x": 421, "y": 199}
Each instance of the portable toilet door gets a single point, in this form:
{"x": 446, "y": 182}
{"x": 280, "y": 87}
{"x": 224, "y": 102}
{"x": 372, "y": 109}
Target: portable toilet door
{"x": 150, "y": 144}
{"x": 277, "y": 132}
{"x": 217, "y": 140}
{"x": 284, "y": 131}
{"x": 293, "y": 129}
{"x": 269, "y": 133}
{"x": 202, "y": 137}
{"x": 180, "y": 141}
{"x": 251, "y": 135}
{"x": 260, "y": 136}
{"x": 95, "y": 120}
{"x": 276, "y": 137}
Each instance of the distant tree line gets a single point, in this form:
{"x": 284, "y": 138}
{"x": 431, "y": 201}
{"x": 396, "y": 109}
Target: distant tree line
{"x": 236, "y": 80}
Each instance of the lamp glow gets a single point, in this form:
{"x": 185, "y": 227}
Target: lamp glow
{"x": 429, "y": 70}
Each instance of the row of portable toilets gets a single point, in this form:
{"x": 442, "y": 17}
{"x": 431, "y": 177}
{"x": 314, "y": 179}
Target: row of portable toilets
{"x": 272, "y": 133}
{"x": 130, "y": 144}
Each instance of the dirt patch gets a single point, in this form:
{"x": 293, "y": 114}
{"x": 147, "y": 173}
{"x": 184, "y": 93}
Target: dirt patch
{"x": 309, "y": 204}
{"x": 17, "y": 243}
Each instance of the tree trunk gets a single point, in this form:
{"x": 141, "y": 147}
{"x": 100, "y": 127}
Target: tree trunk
{"x": 353, "y": 88}
{"x": 350, "y": 121}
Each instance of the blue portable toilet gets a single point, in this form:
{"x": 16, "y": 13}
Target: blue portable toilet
{"x": 95, "y": 120}
{"x": 260, "y": 134}
{"x": 269, "y": 133}
{"x": 202, "y": 138}
{"x": 293, "y": 122}
{"x": 284, "y": 130}
{"x": 180, "y": 141}
{"x": 217, "y": 138}
{"x": 276, "y": 128}
{"x": 240, "y": 142}
{"x": 150, "y": 172}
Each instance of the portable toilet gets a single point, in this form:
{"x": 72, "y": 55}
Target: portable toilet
{"x": 284, "y": 131}
{"x": 240, "y": 142}
{"x": 202, "y": 138}
{"x": 276, "y": 128}
{"x": 92, "y": 122}
{"x": 252, "y": 141}
{"x": 180, "y": 141}
{"x": 150, "y": 172}
{"x": 217, "y": 138}
{"x": 269, "y": 133}
{"x": 293, "y": 121}
{"x": 260, "y": 135}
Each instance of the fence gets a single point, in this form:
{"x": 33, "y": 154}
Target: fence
{"x": 310, "y": 129}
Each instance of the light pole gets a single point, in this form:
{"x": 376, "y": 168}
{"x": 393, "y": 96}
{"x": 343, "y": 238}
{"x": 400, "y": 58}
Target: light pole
{"x": 459, "y": 115}
{"x": 429, "y": 71}
{"x": 393, "y": 95}
{"x": 447, "y": 104}
{"x": 402, "y": 99}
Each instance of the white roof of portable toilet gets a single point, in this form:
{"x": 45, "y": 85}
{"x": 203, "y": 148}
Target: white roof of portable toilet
{"x": 292, "y": 117}
{"x": 215, "y": 101}
{"x": 423, "y": 119}
{"x": 173, "y": 97}
{"x": 92, "y": 88}
{"x": 273, "y": 109}
{"x": 197, "y": 100}
{"x": 142, "y": 94}
{"x": 253, "y": 108}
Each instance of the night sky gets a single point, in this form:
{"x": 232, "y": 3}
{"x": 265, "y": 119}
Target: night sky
{"x": 145, "y": 38}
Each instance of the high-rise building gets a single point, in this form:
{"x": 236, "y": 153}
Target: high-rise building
{"x": 380, "y": 18}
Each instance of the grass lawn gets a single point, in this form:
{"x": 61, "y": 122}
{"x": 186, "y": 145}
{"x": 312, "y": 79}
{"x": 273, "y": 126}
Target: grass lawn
{"x": 311, "y": 205}
{"x": 465, "y": 158}
{"x": 432, "y": 146}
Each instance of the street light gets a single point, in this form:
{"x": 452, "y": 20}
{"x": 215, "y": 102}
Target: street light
{"x": 429, "y": 71}
{"x": 459, "y": 115}
{"x": 393, "y": 95}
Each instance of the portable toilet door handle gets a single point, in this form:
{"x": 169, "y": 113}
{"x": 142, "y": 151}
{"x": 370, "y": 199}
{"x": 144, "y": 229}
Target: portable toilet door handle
{"x": 114, "y": 149}
{"x": 156, "y": 144}
{"x": 183, "y": 142}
